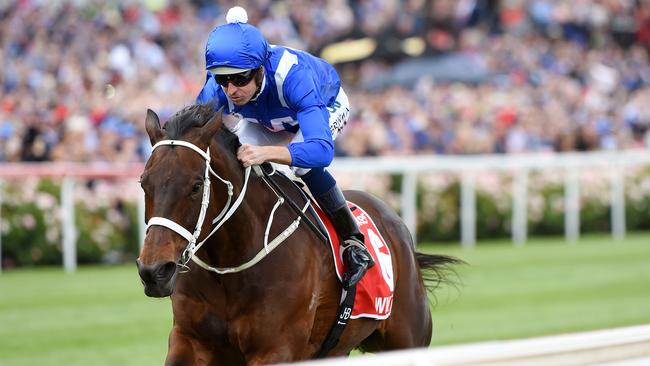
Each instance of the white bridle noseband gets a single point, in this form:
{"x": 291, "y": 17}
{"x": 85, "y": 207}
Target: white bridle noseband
{"x": 192, "y": 247}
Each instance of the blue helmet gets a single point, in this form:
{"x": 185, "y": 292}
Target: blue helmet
{"x": 235, "y": 47}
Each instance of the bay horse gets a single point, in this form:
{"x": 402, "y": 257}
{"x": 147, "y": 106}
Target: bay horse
{"x": 281, "y": 308}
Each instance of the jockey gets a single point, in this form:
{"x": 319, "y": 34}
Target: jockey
{"x": 287, "y": 107}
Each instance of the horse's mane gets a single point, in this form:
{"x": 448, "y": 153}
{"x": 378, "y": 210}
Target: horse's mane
{"x": 198, "y": 115}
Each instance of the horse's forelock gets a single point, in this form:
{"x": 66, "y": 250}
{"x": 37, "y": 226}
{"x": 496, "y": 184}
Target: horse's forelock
{"x": 195, "y": 115}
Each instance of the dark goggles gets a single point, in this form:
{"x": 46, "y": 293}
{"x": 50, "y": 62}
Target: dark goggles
{"x": 238, "y": 80}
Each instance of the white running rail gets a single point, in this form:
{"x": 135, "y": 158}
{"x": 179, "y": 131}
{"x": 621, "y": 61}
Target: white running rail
{"x": 589, "y": 348}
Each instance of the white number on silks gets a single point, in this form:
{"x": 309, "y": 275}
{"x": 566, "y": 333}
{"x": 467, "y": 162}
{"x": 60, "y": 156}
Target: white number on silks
{"x": 384, "y": 259}
{"x": 279, "y": 123}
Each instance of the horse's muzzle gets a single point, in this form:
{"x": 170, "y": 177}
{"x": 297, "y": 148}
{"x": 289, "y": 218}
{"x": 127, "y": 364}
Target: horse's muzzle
{"x": 158, "y": 279}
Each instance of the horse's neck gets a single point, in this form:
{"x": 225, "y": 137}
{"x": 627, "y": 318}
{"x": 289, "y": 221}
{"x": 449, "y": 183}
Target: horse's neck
{"x": 240, "y": 239}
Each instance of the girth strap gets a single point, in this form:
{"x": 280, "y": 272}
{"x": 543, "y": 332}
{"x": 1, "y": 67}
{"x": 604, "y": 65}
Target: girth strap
{"x": 342, "y": 318}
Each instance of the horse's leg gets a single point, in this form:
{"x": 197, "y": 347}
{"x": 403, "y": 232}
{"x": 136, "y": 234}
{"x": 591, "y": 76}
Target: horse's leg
{"x": 186, "y": 351}
{"x": 282, "y": 338}
{"x": 263, "y": 348}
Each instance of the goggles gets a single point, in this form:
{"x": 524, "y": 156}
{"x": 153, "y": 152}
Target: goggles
{"x": 238, "y": 80}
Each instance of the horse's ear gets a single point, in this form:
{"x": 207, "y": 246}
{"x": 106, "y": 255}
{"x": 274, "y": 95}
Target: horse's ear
{"x": 152, "y": 125}
{"x": 212, "y": 126}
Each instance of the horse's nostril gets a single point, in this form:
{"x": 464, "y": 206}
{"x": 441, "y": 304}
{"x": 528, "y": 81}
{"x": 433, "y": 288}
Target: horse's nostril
{"x": 146, "y": 272}
{"x": 156, "y": 273}
{"x": 166, "y": 271}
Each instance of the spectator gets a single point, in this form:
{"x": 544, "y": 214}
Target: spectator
{"x": 77, "y": 77}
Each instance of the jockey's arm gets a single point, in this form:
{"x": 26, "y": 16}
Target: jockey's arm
{"x": 317, "y": 148}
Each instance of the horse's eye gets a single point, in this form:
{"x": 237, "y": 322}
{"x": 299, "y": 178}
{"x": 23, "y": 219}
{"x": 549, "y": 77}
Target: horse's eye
{"x": 197, "y": 186}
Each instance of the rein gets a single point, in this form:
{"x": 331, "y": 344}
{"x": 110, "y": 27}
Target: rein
{"x": 259, "y": 170}
{"x": 228, "y": 210}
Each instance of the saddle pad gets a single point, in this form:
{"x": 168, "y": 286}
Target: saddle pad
{"x": 374, "y": 297}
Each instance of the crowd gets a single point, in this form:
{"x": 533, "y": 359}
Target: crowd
{"x": 78, "y": 76}
{"x": 542, "y": 97}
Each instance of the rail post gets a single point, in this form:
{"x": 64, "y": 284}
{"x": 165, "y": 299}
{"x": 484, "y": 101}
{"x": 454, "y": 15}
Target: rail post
{"x": 519, "y": 207}
{"x": 617, "y": 192}
{"x": 69, "y": 229}
{"x": 571, "y": 205}
{"x": 468, "y": 209}
{"x": 409, "y": 203}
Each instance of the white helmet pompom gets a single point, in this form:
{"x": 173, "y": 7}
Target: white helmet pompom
{"x": 236, "y": 14}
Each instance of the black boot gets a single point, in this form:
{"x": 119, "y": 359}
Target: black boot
{"x": 356, "y": 258}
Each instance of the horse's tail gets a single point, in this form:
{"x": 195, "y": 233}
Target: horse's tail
{"x": 437, "y": 270}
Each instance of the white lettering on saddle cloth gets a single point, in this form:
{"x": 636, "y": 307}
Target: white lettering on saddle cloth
{"x": 374, "y": 297}
{"x": 383, "y": 304}
{"x": 362, "y": 219}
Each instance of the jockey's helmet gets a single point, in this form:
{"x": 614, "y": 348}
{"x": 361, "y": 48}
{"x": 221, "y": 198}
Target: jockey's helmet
{"x": 236, "y": 46}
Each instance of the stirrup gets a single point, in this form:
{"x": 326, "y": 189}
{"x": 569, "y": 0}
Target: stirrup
{"x": 352, "y": 242}
{"x": 360, "y": 262}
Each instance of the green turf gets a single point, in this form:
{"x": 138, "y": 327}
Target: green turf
{"x": 100, "y": 316}
{"x": 544, "y": 287}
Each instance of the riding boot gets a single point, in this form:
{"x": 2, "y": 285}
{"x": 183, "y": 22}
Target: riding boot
{"x": 356, "y": 258}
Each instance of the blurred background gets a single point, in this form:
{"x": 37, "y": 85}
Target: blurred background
{"x": 424, "y": 77}
{"x": 489, "y": 87}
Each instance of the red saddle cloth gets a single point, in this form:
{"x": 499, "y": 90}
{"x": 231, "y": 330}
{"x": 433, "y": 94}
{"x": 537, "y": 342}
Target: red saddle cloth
{"x": 374, "y": 297}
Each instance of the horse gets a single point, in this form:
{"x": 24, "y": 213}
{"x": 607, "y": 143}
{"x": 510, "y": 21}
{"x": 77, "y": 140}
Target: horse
{"x": 281, "y": 308}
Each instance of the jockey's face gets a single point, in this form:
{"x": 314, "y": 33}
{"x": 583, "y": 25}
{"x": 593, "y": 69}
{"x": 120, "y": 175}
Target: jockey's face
{"x": 238, "y": 93}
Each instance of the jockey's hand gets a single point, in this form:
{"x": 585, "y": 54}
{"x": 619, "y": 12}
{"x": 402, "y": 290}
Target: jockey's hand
{"x": 255, "y": 155}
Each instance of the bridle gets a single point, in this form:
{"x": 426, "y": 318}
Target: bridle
{"x": 228, "y": 210}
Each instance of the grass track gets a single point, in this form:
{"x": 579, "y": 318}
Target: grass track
{"x": 100, "y": 316}
{"x": 545, "y": 287}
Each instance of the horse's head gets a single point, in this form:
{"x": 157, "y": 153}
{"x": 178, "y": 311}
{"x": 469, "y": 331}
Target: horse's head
{"x": 173, "y": 183}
